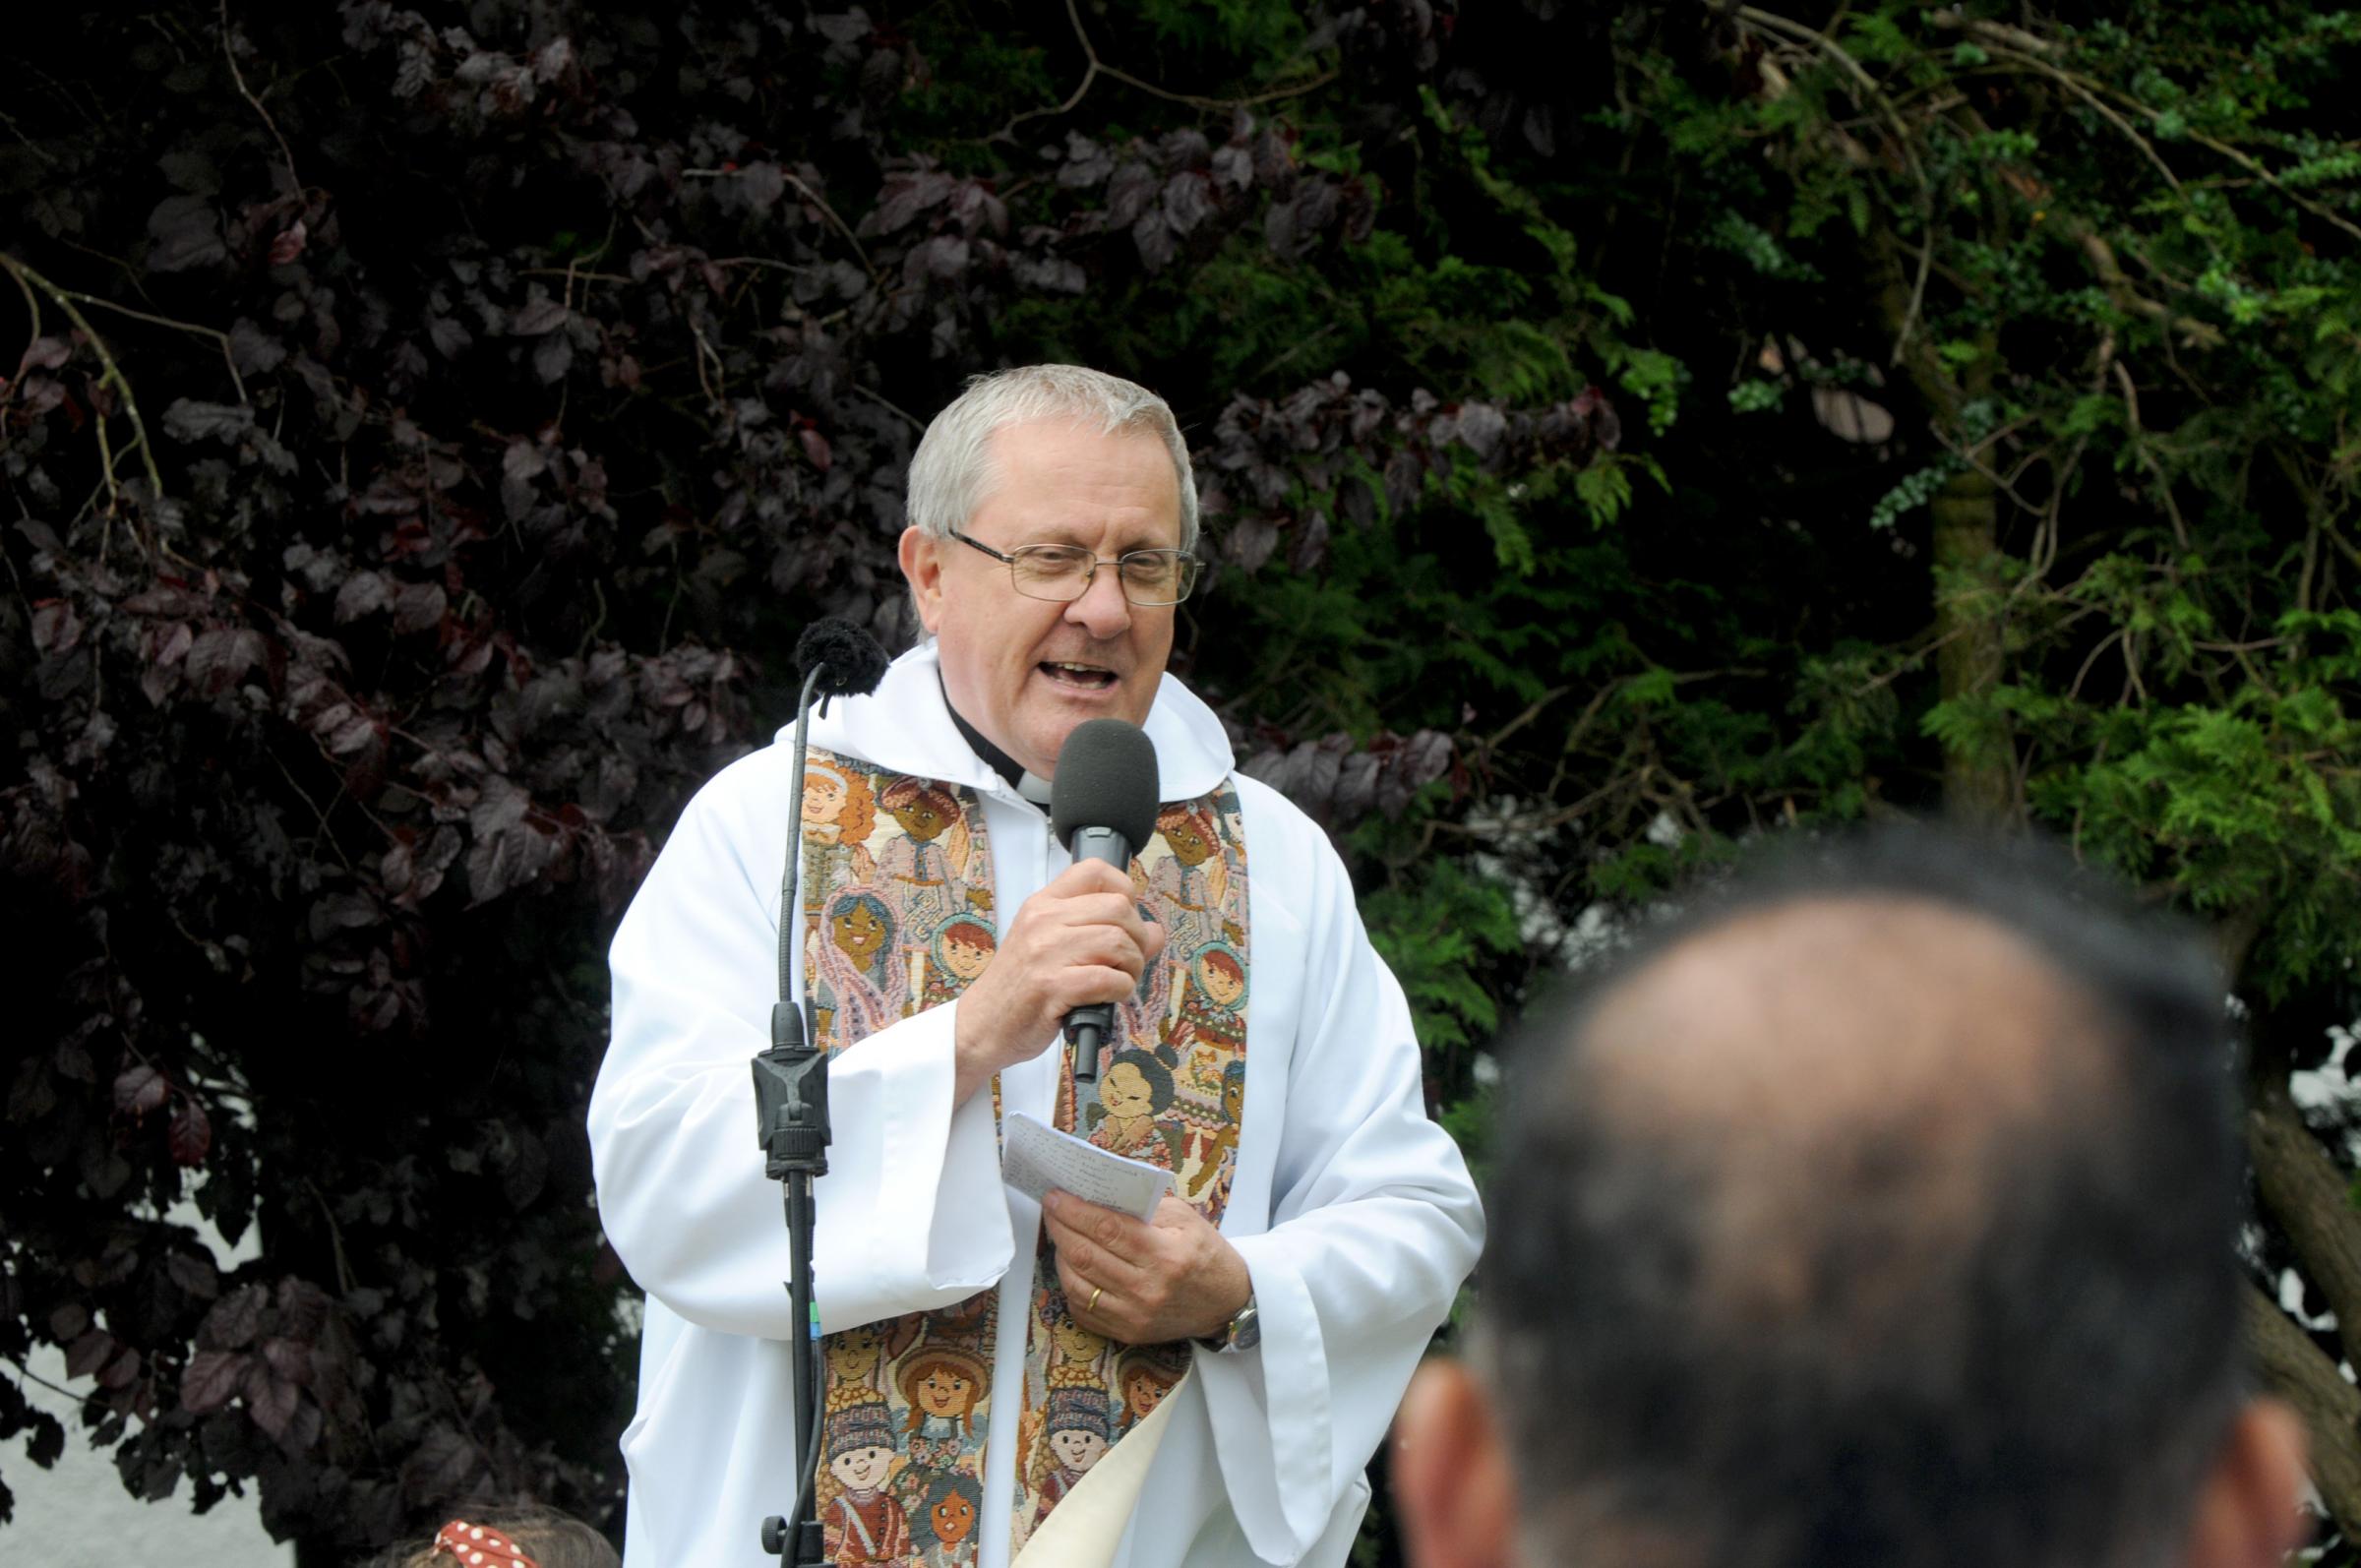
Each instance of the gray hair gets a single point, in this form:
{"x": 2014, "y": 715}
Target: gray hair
{"x": 951, "y": 474}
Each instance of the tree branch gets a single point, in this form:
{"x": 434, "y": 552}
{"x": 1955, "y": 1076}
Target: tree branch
{"x": 2299, "y": 1371}
{"x": 1094, "y": 68}
{"x": 230, "y": 54}
{"x": 113, "y": 375}
{"x": 2304, "y": 1192}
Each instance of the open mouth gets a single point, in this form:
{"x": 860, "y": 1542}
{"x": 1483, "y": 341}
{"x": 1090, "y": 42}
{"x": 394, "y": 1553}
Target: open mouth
{"x": 1076, "y": 677}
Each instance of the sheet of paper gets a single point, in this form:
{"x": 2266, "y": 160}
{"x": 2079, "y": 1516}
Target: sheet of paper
{"x": 1036, "y": 1157}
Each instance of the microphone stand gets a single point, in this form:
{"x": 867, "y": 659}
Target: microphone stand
{"x": 791, "y": 1101}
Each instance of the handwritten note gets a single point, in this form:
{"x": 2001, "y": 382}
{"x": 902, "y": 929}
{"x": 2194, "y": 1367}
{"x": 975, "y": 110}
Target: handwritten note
{"x": 1036, "y": 1157}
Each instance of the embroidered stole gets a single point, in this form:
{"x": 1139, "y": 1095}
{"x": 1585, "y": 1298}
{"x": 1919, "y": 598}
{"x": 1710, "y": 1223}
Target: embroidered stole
{"x": 899, "y": 916}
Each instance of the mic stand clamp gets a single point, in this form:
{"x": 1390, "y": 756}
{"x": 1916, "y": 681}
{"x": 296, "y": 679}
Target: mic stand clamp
{"x": 791, "y": 1098}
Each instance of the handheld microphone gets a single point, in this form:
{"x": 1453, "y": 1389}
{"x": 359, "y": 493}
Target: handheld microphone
{"x": 1103, "y": 805}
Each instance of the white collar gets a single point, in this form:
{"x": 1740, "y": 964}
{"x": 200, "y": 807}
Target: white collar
{"x": 905, "y": 726}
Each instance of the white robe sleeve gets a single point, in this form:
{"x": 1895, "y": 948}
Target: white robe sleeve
{"x": 680, "y": 1189}
{"x": 1373, "y": 1223}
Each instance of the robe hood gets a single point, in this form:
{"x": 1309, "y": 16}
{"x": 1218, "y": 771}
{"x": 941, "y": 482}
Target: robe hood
{"x": 905, "y": 726}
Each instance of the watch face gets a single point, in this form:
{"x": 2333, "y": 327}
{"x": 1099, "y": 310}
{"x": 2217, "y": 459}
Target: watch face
{"x": 1246, "y": 1329}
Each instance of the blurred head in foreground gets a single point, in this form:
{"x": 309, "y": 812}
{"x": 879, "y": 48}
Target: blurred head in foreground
{"x": 1878, "y": 1211}
{"x": 526, "y": 1536}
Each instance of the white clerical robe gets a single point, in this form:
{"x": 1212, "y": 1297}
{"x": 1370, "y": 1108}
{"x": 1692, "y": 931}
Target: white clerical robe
{"x": 1353, "y": 1212}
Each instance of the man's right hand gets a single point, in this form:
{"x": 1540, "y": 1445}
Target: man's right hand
{"x": 1080, "y": 939}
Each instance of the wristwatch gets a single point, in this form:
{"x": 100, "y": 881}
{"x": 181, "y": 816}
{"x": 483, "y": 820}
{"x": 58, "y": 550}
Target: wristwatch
{"x": 1242, "y": 1332}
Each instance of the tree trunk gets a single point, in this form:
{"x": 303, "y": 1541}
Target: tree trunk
{"x": 2307, "y": 1195}
{"x": 2300, "y": 1372}
{"x": 1979, "y": 773}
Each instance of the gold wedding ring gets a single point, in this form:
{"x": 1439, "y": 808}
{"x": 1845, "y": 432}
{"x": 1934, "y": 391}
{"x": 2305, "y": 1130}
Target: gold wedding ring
{"x": 1092, "y": 1304}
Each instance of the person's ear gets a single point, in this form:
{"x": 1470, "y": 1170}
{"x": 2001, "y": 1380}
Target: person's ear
{"x": 921, "y": 555}
{"x": 1453, "y": 1484}
{"x": 2248, "y": 1513}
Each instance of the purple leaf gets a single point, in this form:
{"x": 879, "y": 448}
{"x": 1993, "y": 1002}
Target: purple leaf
{"x": 213, "y": 1379}
{"x": 233, "y": 1321}
{"x": 139, "y": 1090}
{"x": 190, "y": 1136}
{"x": 363, "y": 593}
{"x": 539, "y": 316}
{"x": 183, "y": 233}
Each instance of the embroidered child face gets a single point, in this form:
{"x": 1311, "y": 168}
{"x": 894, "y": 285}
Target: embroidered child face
{"x": 862, "y": 1469}
{"x": 1188, "y": 845}
{"x": 1078, "y": 1343}
{"x": 824, "y": 798}
{"x": 1223, "y": 983}
{"x": 965, "y": 959}
{"x": 944, "y": 1392}
{"x": 1143, "y": 1391}
{"x": 1126, "y": 1094}
{"x": 920, "y": 818}
{"x": 858, "y": 931}
{"x": 853, "y": 1354}
{"x": 1077, "y": 1451}
{"x": 1026, "y": 671}
{"x": 953, "y": 1517}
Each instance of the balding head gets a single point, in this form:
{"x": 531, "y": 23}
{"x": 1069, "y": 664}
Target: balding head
{"x": 1867, "y": 1060}
{"x": 1877, "y": 1211}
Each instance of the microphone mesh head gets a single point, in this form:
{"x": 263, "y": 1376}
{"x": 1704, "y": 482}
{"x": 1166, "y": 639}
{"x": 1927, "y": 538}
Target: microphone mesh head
{"x": 1105, "y": 778}
{"x": 856, "y": 664}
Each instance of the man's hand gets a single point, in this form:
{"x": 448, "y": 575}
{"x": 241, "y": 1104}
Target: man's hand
{"x": 1143, "y": 1282}
{"x": 1078, "y": 941}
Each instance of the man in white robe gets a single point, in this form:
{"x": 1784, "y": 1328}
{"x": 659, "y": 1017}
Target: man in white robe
{"x": 1349, "y": 1219}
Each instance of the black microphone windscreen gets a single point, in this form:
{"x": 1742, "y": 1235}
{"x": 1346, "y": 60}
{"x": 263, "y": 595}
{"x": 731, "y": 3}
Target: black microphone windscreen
{"x": 1105, "y": 778}
{"x": 854, "y": 661}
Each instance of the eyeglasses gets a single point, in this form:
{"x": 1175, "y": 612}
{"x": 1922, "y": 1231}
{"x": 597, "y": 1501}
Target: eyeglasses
{"x": 1064, "y": 572}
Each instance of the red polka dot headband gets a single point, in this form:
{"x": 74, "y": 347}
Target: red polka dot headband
{"x": 477, "y": 1547}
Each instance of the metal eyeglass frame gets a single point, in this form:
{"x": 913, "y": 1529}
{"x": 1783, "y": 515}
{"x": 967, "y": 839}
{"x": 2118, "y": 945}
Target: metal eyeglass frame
{"x": 1187, "y": 565}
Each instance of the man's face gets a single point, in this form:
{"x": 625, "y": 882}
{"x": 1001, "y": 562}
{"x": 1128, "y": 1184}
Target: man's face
{"x": 861, "y": 1469}
{"x": 1026, "y": 671}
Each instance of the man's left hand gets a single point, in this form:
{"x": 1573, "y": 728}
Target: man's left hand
{"x": 1143, "y": 1282}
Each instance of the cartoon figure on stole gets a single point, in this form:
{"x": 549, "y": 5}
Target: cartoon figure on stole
{"x": 864, "y": 1522}
{"x": 1134, "y": 1090}
{"x": 1079, "y": 1438}
{"x": 839, "y": 809}
{"x": 1075, "y": 1353}
{"x": 947, "y": 1512}
{"x": 1213, "y": 1149}
{"x": 1192, "y": 878}
{"x": 917, "y": 869}
{"x": 963, "y": 945}
{"x": 943, "y": 1385}
{"x": 854, "y": 1358}
{"x": 859, "y": 989}
{"x": 1213, "y": 1008}
{"x": 1143, "y": 1377}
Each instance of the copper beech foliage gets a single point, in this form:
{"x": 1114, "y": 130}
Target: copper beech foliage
{"x": 423, "y": 431}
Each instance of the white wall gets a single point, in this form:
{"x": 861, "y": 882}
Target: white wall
{"x": 78, "y": 1516}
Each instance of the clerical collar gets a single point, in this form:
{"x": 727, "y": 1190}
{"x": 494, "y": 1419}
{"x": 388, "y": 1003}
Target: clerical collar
{"x": 1036, "y": 790}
